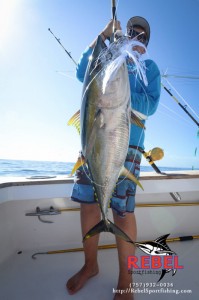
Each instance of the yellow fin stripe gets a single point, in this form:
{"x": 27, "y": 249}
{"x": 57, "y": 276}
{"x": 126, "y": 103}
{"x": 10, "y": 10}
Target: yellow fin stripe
{"x": 75, "y": 121}
{"x": 130, "y": 176}
{"x": 78, "y": 164}
{"x": 135, "y": 120}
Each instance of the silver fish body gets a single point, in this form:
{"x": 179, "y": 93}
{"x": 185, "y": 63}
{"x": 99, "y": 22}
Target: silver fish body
{"x": 105, "y": 129}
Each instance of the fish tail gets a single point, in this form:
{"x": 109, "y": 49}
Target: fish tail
{"x": 107, "y": 226}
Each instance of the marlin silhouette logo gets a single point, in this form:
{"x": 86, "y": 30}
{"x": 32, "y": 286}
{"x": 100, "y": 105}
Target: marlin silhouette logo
{"x": 158, "y": 247}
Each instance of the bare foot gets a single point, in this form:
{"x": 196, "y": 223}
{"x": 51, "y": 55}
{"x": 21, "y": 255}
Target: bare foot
{"x": 76, "y": 282}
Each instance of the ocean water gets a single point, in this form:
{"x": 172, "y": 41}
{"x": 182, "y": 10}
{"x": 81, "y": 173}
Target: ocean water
{"x": 27, "y": 168}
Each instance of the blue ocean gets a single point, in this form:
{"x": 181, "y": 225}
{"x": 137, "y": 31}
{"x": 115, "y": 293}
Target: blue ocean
{"x": 28, "y": 168}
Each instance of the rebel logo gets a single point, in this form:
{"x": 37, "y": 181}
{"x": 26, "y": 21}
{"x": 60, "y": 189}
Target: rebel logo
{"x": 160, "y": 256}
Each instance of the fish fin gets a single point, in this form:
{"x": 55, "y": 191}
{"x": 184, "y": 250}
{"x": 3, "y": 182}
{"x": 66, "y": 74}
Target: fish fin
{"x": 136, "y": 120}
{"x": 80, "y": 162}
{"x": 107, "y": 226}
{"x": 129, "y": 175}
{"x": 75, "y": 121}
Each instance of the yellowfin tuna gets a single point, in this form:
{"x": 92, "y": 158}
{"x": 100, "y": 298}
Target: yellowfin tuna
{"x": 105, "y": 119}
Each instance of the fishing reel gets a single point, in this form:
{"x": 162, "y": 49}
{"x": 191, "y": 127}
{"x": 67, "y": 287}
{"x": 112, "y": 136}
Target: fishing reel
{"x": 154, "y": 154}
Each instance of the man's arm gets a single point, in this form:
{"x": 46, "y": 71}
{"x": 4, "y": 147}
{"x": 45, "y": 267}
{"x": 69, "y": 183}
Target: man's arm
{"x": 82, "y": 64}
{"x": 147, "y": 101}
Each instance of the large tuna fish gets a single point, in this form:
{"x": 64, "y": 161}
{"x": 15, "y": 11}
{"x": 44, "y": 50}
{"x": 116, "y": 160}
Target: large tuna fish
{"x": 105, "y": 118}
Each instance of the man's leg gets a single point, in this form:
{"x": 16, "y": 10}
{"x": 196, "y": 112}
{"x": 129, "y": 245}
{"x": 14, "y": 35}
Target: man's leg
{"x": 90, "y": 216}
{"x": 128, "y": 225}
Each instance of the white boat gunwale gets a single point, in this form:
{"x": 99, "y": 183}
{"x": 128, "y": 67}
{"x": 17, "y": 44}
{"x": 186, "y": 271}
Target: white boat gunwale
{"x": 21, "y": 181}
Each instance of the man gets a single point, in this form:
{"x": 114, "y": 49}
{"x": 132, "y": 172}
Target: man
{"x": 144, "y": 102}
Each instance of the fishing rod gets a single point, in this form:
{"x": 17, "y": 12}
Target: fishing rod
{"x": 113, "y": 246}
{"x": 67, "y": 52}
{"x": 114, "y": 10}
{"x": 58, "y": 40}
{"x": 151, "y": 162}
{"x": 180, "y": 104}
{"x": 114, "y": 17}
{"x": 180, "y": 76}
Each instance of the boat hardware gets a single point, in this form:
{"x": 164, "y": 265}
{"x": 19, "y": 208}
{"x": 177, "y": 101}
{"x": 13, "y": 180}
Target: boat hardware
{"x": 44, "y": 212}
{"x": 113, "y": 246}
{"x": 138, "y": 205}
{"x": 176, "y": 196}
{"x": 52, "y": 211}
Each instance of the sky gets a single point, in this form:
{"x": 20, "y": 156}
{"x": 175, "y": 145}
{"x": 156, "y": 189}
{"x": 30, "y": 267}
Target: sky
{"x": 39, "y": 92}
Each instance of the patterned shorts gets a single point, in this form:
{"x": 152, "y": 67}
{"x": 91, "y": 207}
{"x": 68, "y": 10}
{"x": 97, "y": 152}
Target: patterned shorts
{"x": 123, "y": 197}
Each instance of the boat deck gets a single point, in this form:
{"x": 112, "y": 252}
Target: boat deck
{"x": 23, "y": 278}
{"x": 44, "y": 278}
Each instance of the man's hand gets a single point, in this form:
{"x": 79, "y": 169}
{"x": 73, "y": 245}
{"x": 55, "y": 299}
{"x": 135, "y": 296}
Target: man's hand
{"x": 110, "y": 28}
